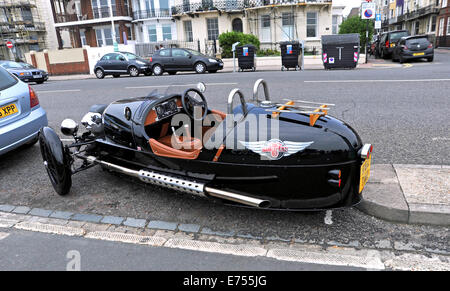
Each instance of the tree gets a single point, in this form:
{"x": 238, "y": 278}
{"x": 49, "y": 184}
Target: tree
{"x": 227, "y": 39}
{"x": 355, "y": 24}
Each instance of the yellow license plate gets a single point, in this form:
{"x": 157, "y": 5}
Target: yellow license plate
{"x": 8, "y": 110}
{"x": 418, "y": 54}
{"x": 365, "y": 173}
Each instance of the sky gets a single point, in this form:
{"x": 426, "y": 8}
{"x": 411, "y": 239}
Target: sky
{"x": 348, "y": 3}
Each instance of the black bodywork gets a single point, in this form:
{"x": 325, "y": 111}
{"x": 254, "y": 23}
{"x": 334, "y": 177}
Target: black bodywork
{"x": 413, "y": 47}
{"x": 172, "y": 60}
{"x": 305, "y": 180}
{"x": 25, "y": 72}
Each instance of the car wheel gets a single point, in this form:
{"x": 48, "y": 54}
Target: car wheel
{"x": 56, "y": 160}
{"x": 133, "y": 71}
{"x": 116, "y": 75}
{"x": 200, "y": 68}
{"x": 401, "y": 60}
{"x": 172, "y": 73}
{"x": 158, "y": 70}
{"x": 430, "y": 59}
{"x": 99, "y": 74}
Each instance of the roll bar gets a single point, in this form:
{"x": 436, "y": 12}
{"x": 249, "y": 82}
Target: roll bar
{"x": 231, "y": 98}
{"x": 256, "y": 88}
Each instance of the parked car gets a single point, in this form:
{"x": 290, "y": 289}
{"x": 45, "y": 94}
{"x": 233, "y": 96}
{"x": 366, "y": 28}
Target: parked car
{"x": 172, "y": 60}
{"x": 373, "y": 45}
{"x": 21, "y": 116}
{"x": 25, "y": 72}
{"x": 387, "y": 42}
{"x": 413, "y": 47}
{"x": 122, "y": 63}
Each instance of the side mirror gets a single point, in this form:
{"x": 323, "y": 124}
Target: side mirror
{"x": 69, "y": 127}
{"x": 201, "y": 87}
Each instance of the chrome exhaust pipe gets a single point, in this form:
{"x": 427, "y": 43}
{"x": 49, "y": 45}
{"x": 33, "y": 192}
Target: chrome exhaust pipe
{"x": 176, "y": 183}
{"x": 255, "y": 202}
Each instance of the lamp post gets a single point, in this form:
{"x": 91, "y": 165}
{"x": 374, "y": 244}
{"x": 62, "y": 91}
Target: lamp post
{"x": 113, "y": 29}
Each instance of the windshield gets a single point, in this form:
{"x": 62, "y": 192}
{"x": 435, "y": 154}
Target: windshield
{"x": 398, "y": 35}
{"x": 131, "y": 56}
{"x": 11, "y": 65}
{"x": 6, "y": 80}
{"x": 27, "y": 66}
{"x": 195, "y": 53}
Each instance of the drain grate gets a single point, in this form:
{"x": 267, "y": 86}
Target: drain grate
{"x": 50, "y": 228}
{"x": 126, "y": 238}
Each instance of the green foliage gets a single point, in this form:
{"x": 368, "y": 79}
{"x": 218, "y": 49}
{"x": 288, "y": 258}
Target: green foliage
{"x": 267, "y": 52}
{"x": 355, "y": 24}
{"x": 227, "y": 39}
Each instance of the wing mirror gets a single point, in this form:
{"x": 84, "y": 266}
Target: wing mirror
{"x": 201, "y": 87}
{"x": 69, "y": 127}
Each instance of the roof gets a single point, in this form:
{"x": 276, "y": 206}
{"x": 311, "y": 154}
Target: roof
{"x": 340, "y": 38}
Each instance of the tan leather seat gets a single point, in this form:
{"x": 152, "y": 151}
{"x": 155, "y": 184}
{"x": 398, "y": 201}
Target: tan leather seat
{"x": 185, "y": 148}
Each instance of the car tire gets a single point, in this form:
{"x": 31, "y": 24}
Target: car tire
{"x": 157, "y": 70}
{"x": 401, "y": 60}
{"x": 133, "y": 71}
{"x": 116, "y": 76}
{"x": 172, "y": 73}
{"x": 430, "y": 59}
{"x": 99, "y": 74}
{"x": 200, "y": 68}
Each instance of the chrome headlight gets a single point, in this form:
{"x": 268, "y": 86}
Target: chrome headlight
{"x": 212, "y": 60}
{"x": 93, "y": 122}
{"x": 69, "y": 127}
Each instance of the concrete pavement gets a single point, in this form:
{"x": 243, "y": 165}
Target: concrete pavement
{"x": 418, "y": 194}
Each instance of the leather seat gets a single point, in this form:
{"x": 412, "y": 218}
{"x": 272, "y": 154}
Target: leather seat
{"x": 183, "y": 143}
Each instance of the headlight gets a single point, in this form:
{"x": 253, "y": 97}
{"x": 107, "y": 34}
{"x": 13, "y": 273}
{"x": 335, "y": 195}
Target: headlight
{"x": 212, "y": 60}
{"x": 140, "y": 63}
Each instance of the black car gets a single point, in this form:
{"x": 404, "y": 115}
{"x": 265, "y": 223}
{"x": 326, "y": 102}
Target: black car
{"x": 413, "y": 47}
{"x": 387, "y": 42}
{"x": 172, "y": 60}
{"x": 302, "y": 159}
{"x": 25, "y": 72}
{"x": 122, "y": 63}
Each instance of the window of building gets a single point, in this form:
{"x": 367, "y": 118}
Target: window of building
{"x": 212, "y": 25}
{"x": 311, "y": 24}
{"x": 83, "y": 37}
{"x": 441, "y": 26}
{"x": 104, "y": 35}
{"x": 287, "y": 25}
{"x": 152, "y": 36}
{"x": 448, "y": 26}
{"x": 335, "y": 25}
{"x": 444, "y": 3}
{"x": 100, "y": 8}
{"x": 432, "y": 24}
{"x": 265, "y": 28}
{"x": 26, "y": 14}
{"x": 167, "y": 32}
{"x": 188, "y": 36}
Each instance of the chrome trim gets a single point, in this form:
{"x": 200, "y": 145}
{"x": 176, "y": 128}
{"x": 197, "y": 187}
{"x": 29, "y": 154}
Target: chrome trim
{"x": 231, "y": 97}
{"x": 365, "y": 151}
{"x": 256, "y": 88}
{"x": 250, "y": 201}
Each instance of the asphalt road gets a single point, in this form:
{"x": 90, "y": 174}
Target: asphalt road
{"x": 22, "y": 250}
{"x": 402, "y": 111}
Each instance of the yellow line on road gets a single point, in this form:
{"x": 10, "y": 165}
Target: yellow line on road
{"x": 407, "y": 65}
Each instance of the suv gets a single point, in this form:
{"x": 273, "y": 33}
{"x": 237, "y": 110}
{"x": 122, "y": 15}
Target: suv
{"x": 413, "y": 47}
{"x": 172, "y": 60}
{"x": 120, "y": 63}
{"x": 387, "y": 42}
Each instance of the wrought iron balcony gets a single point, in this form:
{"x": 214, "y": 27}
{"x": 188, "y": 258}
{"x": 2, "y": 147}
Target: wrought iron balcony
{"x": 96, "y": 13}
{"x": 153, "y": 13}
{"x": 232, "y": 5}
{"x": 421, "y": 12}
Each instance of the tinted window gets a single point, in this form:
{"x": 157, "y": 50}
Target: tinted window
{"x": 179, "y": 53}
{"x": 420, "y": 41}
{"x": 195, "y": 53}
{"x": 108, "y": 57}
{"x": 11, "y": 65}
{"x": 398, "y": 35}
{"x": 164, "y": 53}
{"x": 131, "y": 56}
{"x": 6, "y": 80}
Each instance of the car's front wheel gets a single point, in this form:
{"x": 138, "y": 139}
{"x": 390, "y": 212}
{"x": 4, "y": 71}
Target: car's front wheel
{"x": 158, "y": 70}
{"x": 133, "y": 71}
{"x": 99, "y": 73}
{"x": 200, "y": 68}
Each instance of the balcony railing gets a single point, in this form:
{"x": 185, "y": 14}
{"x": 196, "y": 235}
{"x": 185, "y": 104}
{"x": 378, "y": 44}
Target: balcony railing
{"x": 153, "y": 13}
{"x": 230, "y": 5}
{"x": 15, "y": 28}
{"x": 420, "y": 12}
{"x": 97, "y": 13}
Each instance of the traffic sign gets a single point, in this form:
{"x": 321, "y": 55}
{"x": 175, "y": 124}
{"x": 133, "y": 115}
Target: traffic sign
{"x": 9, "y": 44}
{"x": 368, "y": 10}
{"x": 378, "y": 17}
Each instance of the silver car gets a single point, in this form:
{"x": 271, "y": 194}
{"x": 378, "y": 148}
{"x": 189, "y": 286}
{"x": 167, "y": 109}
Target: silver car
{"x": 21, "y": 116}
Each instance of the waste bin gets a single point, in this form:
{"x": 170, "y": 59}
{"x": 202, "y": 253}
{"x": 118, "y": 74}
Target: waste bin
{"x": 291, "y": 53}
{"x": 340, "y": 51}
{"x": 246, "y": 57}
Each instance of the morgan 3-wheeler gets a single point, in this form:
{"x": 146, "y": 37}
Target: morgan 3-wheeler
{"x": 287, "y": 156}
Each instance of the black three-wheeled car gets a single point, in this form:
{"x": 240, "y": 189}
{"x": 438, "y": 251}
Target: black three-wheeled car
{"x": 291, "y": 156}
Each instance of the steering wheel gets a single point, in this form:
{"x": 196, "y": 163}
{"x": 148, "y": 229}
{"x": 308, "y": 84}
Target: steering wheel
{"x": 190, "y": 101}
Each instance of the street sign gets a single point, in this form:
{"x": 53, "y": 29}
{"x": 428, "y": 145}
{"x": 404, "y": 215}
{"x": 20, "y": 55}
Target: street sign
{"x": 377, "y": 24}
{"x": 378, "y": 17}
{"x": 368, "y": 10}
{"x": 9, "y": 44}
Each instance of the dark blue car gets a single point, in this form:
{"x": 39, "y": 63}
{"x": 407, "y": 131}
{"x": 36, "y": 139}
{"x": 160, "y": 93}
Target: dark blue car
{"x": 25, "y": 72}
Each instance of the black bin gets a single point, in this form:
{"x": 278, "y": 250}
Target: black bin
{"x": 246, "y": 57}
{"x": 340, "y": 51}
{"x": 290, "y": 55}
